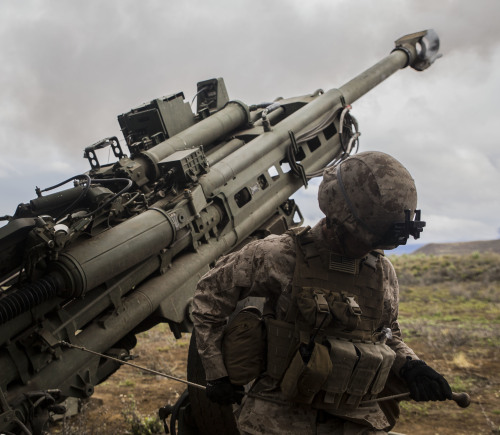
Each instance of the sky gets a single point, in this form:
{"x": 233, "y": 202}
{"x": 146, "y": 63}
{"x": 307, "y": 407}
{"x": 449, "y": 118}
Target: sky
{"x": 67, "y": 69}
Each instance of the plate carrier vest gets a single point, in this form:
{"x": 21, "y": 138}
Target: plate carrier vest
{"x": 337, "y": 303}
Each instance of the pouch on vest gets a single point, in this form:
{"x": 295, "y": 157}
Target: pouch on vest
{"x": 383, "y": 372}
{"x": 344, "y": 357}
{"x": 346, "y": 311}
{"x": 302, "y": 381}
{"x": 314, "y": 306}
{"x": 281, "y": 346}
{"x": 344, "y": 308}
{"x": 244, "y": 346}
{"x": 370, "y": 359}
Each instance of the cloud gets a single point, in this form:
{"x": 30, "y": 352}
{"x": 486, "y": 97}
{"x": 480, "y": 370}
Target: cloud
{"x": 67, "y": 70}
{"x": 441, "y": 229}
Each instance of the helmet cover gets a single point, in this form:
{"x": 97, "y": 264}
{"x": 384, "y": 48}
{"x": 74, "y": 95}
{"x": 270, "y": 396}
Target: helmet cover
{"x": 367, "y": 194}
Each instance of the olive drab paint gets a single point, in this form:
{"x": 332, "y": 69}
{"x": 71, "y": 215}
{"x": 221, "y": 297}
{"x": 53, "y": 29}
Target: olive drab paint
{"x": 124, "y": 247}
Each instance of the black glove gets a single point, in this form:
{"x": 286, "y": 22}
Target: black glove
{"x": 424, "y": 382}
{"x": 223, "y": 392}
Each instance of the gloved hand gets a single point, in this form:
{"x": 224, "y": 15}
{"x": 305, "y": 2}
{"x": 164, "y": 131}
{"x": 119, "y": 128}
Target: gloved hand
{"x": 223, "y": 392}
{"x": 424, "y": 382}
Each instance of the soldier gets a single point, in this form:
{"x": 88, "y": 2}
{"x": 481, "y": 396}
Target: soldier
{"x": 331, "y": 312}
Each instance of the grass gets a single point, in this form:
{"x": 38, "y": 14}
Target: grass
{"x": 450, "y": 300}
{"x": 429, "y": 269}
{"x": 127, "y": 383}
{"x": 461, "y": 384}
{"x": 450, "y": 314}
{"x": 140, "y": 424}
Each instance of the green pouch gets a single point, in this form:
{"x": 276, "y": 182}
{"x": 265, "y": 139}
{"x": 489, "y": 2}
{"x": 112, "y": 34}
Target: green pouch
{"x": 343, "y": 308}
{"x": 244, "y": 346}
{"x": 313, "y": 302}
{"x": 281, "y": 345}
{"x": 302, "y": 381}
{"x": 346, "y": 311}
{"x": 364, "y": 373}
{"x": 344, "y": 358}
{"x": 383, "y": 372}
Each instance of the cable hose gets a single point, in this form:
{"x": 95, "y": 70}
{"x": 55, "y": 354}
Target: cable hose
{"x": 27, "y": 297}
{"x": 346, "y": 133}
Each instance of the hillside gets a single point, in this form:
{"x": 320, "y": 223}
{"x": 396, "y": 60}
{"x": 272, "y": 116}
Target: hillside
{"x": 449, "y": 314}
{"x": 460, "y": 248}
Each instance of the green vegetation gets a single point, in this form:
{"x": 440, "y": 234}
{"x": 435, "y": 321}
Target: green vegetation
{"x": 127, "y": 383}
{"x": 450, "y": 300}
{"x": 450, "y": 315}
{"x": 422, "y": 269}
{"x": 140, "y": 424}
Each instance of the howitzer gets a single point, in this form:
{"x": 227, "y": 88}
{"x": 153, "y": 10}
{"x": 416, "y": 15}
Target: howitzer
{"x": 123, "y": 249}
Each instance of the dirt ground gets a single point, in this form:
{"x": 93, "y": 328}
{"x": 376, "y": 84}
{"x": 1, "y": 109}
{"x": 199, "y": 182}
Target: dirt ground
{"x": 480, "y": 375}
{"x": 131, "y": 397}
{"x": 128, "y": 402}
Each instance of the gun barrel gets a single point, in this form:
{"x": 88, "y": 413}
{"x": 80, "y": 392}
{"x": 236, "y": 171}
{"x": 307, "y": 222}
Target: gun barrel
{"x": 278, "y": 139}
{"x": 204, "y": 133}
{"x": 373, "y": 76}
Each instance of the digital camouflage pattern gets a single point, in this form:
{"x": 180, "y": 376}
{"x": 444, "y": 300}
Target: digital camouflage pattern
{"x": 366, "y": 194}
{"x": 258, "y": 417}
{"x": 265, "y": 268}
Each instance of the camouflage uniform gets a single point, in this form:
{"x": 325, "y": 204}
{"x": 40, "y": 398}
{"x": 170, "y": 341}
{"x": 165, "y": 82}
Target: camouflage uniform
{"x": 265, "y": 268}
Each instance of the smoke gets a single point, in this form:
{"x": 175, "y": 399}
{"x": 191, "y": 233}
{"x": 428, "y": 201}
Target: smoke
{"x": 68, "y": 69}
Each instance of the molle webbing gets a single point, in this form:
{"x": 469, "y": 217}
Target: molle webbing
{"x": 362, "y": 279}
{"x": 282, "y": 343}
{"x": 354, "y": 293}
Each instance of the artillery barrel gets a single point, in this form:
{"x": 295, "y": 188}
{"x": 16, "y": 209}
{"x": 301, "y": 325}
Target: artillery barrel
{"x": 205, "y": 132}
{"x": 105, "y": 256}
{"x": 332, "y": 100}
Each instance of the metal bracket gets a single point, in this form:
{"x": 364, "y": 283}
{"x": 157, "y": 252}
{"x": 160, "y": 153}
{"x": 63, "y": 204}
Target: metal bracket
{"x": 90, "y": 154}
{"x": 295, "y": 150}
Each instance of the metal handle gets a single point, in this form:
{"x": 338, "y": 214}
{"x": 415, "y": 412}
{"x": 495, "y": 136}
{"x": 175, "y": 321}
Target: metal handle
{"x": 461, "y": 399}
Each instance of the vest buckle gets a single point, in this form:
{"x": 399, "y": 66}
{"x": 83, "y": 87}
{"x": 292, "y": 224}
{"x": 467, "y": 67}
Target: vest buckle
{"x": 354, "y": 308}
{"x": 321, "y": 308}
{"x": 321, "y": 303}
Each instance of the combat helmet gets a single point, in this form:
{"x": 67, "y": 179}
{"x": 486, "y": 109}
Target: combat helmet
{"x": 372, "y": 196}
